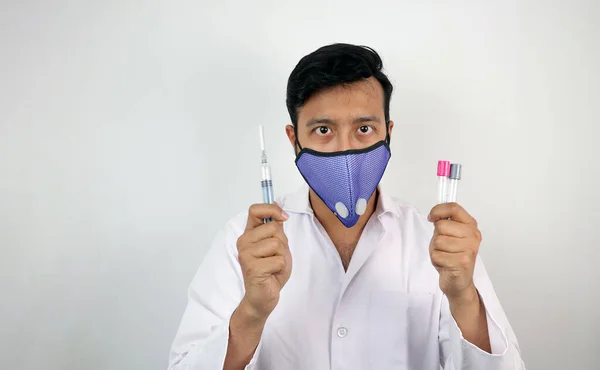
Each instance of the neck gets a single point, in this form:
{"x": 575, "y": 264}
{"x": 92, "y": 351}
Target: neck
{"x": 333, "y": 225}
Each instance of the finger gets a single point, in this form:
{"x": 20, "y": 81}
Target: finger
{"x": 266, "y": 266}
{"x": 452, "y": 228}
{"x": 274, "y": 229}
{"x": 448, "y": 244}
{"x": 259, "y": 212}
{"x": 453, "y": 211}
{"x": 280, "y": 234}
{"x": 446, "y": 260}
{"x": 263, "y": 231}
{"x": 267, "y": 248}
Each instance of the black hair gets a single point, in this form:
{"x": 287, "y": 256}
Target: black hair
{"x": 332, "y": 65}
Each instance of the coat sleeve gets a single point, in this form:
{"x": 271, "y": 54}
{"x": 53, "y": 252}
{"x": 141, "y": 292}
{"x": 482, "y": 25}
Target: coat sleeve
{"x": 213, "y": 295}
{"x": 459, "y": 354}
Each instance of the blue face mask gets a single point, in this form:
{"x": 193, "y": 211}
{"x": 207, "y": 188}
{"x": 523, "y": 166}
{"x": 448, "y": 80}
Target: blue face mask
{"x": 346, "y": 180}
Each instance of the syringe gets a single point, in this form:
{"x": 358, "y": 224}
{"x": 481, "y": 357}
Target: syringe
{"x": 266, "y": 182}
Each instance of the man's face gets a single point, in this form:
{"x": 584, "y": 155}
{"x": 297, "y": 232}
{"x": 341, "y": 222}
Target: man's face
{"x": 342, "y": 118}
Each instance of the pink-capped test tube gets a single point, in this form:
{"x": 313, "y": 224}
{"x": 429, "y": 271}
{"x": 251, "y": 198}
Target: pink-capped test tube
{"x": 443, "y": 171}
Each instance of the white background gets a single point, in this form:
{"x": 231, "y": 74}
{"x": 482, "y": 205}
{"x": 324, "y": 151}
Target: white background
{"x": 128, "y": 135}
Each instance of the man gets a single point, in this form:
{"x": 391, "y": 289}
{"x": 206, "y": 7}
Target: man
{"x": 345, "y": 276}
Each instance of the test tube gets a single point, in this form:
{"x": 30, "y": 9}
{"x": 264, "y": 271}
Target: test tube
{"x": 443, "y": 171}
{"x": 455, "y": 173}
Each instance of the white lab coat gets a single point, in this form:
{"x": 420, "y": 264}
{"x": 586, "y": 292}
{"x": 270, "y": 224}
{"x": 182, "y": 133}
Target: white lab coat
{"x": 386, "y": 312}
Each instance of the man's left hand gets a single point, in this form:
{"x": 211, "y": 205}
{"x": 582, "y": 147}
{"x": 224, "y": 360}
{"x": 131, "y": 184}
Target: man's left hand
{"x": 453, "y": 250}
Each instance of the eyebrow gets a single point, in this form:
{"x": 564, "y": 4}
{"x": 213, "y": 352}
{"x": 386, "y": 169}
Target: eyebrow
{"x": 328, "y": 121}
{"x": 362, "y": 119}
{"x": 320, "y": 121}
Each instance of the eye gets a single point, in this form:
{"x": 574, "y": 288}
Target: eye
{"x": 322, "y": 130}
{"x": 365, "y": 129}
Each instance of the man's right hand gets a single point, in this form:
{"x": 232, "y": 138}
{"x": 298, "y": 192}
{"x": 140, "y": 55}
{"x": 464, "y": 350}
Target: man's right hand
{"x": 265, "y": 259}
{"x": 266, "y": 264}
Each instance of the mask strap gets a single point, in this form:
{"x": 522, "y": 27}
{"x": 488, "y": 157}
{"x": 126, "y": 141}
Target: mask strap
{"x": 296, "y": 135}
{"x": 387, "y": 132}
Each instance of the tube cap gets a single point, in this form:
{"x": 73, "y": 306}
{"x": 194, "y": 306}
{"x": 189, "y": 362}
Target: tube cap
{"x": 455, "y": 171}
{"x": 443, "y": 168}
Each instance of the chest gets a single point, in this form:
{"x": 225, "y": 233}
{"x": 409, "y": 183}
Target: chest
{"x": 345, "y": 250}
{"x": 345, "y": 242}
{"x": 328, "y": 324}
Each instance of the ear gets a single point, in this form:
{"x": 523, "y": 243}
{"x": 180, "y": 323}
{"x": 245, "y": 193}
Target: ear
{"x": 291, "y": 134}
{"x": 390, "y": 127}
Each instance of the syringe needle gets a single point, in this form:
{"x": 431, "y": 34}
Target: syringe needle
{"x": 262, "y": 138}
